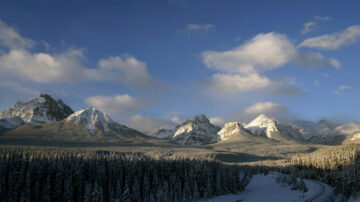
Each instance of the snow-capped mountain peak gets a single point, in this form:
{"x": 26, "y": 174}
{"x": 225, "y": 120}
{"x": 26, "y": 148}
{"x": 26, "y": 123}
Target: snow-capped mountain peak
{"x": 262, "y": 124}
{"x": 261, "y": 120}
{"x": 92, "y": 119}
{"x": 194, "y": 131}
{"x": 201, "y": 118}
{"x": 43, "y": 108}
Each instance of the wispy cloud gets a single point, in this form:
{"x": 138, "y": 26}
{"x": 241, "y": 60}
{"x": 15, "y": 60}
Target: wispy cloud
{"x": 313, "y": 24}
{"x": 18, "y": 87}
{"x": 309, "y": 27}
{"x": 342, "y": 88}
{"x": 199, "y": 27}
{"x": 325, "y": 18}
{"x": 333, "y": 41}
{"x": 9, "y": 37}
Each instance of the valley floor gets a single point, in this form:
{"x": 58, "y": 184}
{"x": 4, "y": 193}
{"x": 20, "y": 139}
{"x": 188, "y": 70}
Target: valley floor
{"x": 265, "y": 188}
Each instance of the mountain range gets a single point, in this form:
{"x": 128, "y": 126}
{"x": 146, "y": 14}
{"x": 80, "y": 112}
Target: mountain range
{"x": 45, "y": 119}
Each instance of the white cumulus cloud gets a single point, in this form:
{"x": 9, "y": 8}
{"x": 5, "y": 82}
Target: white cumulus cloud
{"x": 127, "y": 70}
{"x": 235, "y": 83}
{"x": 263, "y": 52}
{"x": 42, "y": 67}
{"x": 333, "y": 41}
{"x": 242, "y": 68}
{"x": 18, "y": 62}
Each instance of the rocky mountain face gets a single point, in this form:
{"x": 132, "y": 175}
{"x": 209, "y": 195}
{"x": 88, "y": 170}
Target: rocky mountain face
{"x": 323, "y": 128}
{"x": 194, "y": 131}
{"x": 40, "y": 109}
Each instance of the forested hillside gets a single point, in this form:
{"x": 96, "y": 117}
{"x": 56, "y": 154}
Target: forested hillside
{"x": 337, "y": 166}
{"x": 109, "y": 176}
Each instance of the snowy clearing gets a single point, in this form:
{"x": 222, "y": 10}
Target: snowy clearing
{"x": 265, "y": 188}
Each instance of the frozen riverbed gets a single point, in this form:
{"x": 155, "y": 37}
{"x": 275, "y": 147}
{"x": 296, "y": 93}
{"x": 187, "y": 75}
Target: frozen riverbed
{"x": 265, "y": 188}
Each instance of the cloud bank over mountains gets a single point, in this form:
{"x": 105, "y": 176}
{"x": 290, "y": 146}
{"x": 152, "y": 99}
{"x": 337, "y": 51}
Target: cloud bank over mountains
{"x": 247, "y": 114}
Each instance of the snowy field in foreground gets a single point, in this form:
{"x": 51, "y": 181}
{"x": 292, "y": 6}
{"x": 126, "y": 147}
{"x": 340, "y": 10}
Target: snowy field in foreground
{"x": 265, "y": 188}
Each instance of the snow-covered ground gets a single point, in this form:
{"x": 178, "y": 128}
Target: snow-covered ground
{"x": 265, "y": 188}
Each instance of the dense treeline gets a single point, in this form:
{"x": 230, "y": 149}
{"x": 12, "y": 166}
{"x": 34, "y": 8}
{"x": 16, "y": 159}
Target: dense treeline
{"x": 113, "y": 176}
{"x": 331, "y": 158}
{"x": 337, "y": 166}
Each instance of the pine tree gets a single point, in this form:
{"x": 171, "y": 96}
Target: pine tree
{"x": 46, "y": 190}
{"x": 302, "y": 185}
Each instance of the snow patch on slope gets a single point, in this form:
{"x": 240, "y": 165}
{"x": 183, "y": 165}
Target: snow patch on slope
{"x": 355, "y": 137}
{"x": 346, "y": 129}
{"x": 162, "y": 133}
{"x": 11, "y": 123}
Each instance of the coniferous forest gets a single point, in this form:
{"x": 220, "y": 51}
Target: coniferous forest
{"x": 337, "y": 166}
{"x": 110, "y": 176}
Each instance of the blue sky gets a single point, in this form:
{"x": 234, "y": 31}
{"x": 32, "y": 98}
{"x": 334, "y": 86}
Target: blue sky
{"x": 174, "y": 59}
